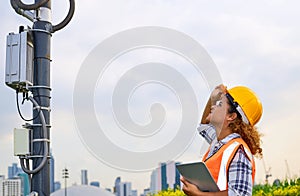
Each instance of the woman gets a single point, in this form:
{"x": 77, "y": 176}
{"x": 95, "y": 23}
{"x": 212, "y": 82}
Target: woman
{"x": 228, "y": 125}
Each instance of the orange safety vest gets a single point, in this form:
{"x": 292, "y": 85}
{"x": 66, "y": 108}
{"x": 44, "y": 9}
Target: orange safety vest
{"x": 218, "y": 164}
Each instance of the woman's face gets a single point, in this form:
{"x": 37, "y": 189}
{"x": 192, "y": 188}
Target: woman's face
{"x": 219, "y": 113}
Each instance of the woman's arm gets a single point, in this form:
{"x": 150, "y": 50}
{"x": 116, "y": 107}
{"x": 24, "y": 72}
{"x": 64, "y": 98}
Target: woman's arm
{"x": 206, "y": 112}
{"x": 215, "y": 96}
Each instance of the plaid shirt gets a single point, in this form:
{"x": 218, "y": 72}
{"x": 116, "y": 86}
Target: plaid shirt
{"x": 240, "y": 169}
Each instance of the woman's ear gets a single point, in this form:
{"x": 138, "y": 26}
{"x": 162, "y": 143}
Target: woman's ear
{"x": 232, "y": 116}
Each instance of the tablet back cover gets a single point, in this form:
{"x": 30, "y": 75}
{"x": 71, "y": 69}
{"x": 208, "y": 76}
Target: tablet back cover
{"x": 198, "y": 174}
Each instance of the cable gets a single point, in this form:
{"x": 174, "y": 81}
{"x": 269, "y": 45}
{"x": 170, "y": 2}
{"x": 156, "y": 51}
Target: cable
{"x": 29, "y": 175}
{"x": 19, "y": 111}
{"x": 29, "y": 7}
{"x": 28, "y": 14}
{"x": 67, "y": 18}
{"x": 22, "y": 9}
{"x": 26, "y": 168}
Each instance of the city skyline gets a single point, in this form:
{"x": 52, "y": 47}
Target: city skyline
{"x": 252, "y": 43}
{"x": 15, "y": 171}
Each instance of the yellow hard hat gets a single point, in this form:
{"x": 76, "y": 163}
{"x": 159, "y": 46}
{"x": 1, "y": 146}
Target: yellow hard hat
{"x": 249, "y": 106}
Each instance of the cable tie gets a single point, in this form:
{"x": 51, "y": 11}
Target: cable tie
{"x": 40, "y": 125}
{"x": 38, "y": 156}
{"x": 41, "y": 140}
{"x": 40, "y": 86}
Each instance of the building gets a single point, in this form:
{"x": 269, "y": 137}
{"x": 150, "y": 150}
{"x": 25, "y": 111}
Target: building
{"x": 117, "y": 186}
{"x": 94, "y": 183}
{"x": 52, "y": 172}
{"x": 134, "y": 193}
{"x": 154, "y": 181}
{"x": 16, "y": 178}
{"x": 146, "y": 192}
{"x": 84, "y": 177}
{"x": 57, "y": 186}
{"x": 10, "y": 187}
{"x": 125, "y": 189}
{"x": 13, "y": 170}
{"x": 164, "y": 177}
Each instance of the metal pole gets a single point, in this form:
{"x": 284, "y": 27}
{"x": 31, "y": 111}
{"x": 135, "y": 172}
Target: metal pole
{"x": 65, "y": 186}
{"x": 41, "y": 93}
{"x": 65, "y": 176}
{"x": 41, "y": 32}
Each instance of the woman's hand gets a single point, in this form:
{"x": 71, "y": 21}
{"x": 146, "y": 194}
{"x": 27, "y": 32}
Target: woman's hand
{"x": 189, "y": 188}
{"x": 217, "y": 93}
{"x": 192, "y": 190}
{"x": 214, "y": 97}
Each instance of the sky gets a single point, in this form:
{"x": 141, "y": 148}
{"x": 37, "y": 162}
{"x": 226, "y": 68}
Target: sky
{"x": 252, "y": 43}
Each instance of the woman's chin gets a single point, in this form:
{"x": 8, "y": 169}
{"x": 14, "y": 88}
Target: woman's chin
{"x": 207, "y": 120}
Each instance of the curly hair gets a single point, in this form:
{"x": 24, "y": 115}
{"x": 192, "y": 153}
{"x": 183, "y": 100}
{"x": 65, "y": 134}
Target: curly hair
{"x": 248, "y": 133}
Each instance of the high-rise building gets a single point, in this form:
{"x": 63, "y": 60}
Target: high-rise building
{"x": 164, "y": 177}
{"x": 13, "y": 170}
{"x": 84, "y": 177}
{"x": 173, "y": 176}
{"x": 18, "y": 178}
{"x": 122, "y": 188}
{"x": 125, "y": 189}
{"x": 154, "y": 181}
{"x": 117, "y": 186}
{"x": 10, "y": 187}
{"x": 52, "y": 173}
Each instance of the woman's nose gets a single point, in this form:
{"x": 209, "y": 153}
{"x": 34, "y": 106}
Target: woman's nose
{"x": 212, "y": 108}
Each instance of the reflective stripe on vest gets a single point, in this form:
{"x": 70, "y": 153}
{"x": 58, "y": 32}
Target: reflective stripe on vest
{"x": 222, "y": 178}
{"x": 218, "y": 164}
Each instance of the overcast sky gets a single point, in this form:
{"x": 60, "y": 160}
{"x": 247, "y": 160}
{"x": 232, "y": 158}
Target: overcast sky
{"x": 253, "y": 43}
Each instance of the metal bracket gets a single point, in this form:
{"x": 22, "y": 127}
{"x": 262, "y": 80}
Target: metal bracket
{"x": 41, "y": 30}
{"x": 43, "y": 14}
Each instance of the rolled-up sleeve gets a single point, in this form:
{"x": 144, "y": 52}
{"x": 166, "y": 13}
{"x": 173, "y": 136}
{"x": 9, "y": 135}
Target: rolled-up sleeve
{"x": 207, "y": 131}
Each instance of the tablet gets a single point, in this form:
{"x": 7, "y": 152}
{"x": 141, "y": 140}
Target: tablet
{"x": 198, "y": 174}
